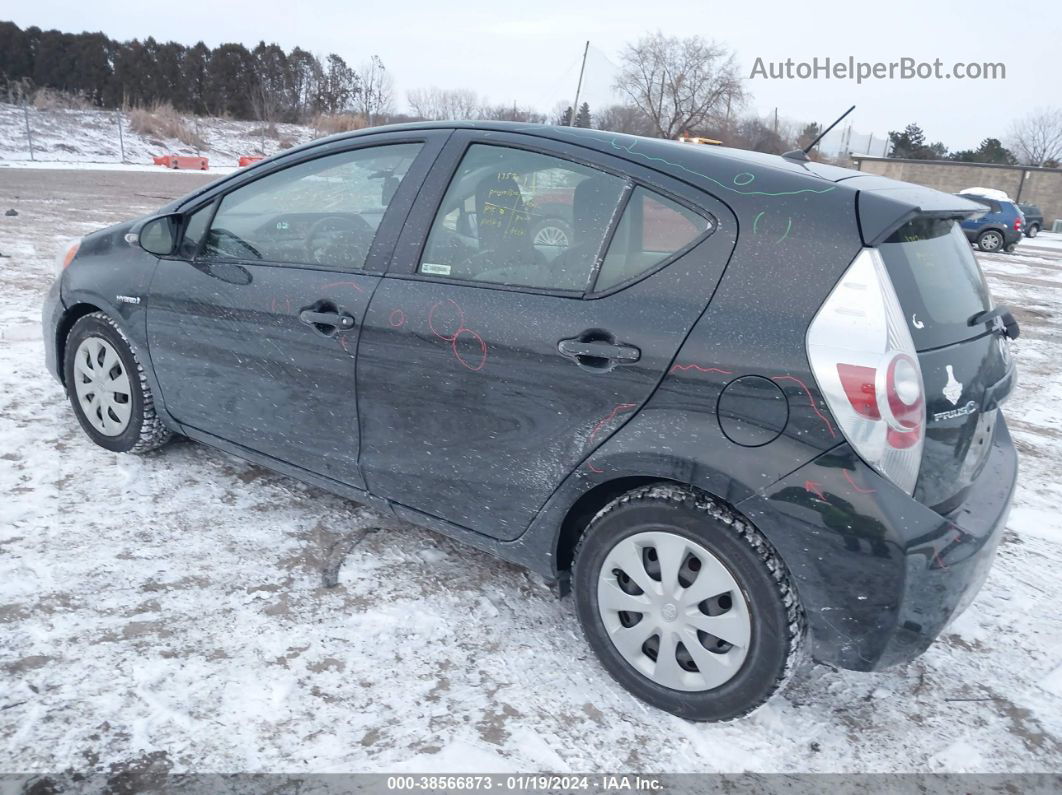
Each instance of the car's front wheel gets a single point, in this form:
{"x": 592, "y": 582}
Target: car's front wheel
{"x": 1032, "y": 231}
{"x": 990, "y": 240}
{"x": 108, "y": 390}
{"x": 686, "y": 604}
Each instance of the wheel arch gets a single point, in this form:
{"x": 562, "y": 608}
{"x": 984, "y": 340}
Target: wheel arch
{"x": 582, "y": 511}
{"x": 128, "y": 324}
{"x": 70, "y": 316}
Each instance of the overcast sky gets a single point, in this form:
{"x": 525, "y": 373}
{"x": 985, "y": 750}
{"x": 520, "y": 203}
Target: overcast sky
{"x": 529, "y": 52}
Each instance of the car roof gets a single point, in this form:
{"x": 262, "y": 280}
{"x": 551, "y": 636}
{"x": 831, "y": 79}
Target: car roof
{"x": 669, "y": 155}
{"x": 977, "y": 197}
{"x": 743, "y": 179}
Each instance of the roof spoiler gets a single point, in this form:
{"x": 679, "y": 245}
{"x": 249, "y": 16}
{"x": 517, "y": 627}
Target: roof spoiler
{"x": 884, "y": 208}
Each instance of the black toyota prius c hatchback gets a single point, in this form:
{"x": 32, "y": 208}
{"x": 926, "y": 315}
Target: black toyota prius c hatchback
{"x": 744, "y": 407}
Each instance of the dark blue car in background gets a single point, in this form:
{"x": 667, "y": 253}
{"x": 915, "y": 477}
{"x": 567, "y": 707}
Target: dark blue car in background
{"x": 999, "y": 229}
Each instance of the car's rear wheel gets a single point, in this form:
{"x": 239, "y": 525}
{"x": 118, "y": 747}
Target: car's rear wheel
{"x": 990, "y": 240}
{"x": 686, "y": 604}
{"x": 1032, "y": 231}
{"x": 108, "y": 390}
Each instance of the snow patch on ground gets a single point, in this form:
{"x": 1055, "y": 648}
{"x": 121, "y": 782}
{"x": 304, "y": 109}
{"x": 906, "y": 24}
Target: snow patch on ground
{"x": 1048, "y": 240}
{"x": 68, "y": 165}
{"x": 91, "y": 136}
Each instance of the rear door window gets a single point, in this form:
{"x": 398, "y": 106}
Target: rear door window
{"x": 937, "y": 280}
{"x": 522, "y": 219}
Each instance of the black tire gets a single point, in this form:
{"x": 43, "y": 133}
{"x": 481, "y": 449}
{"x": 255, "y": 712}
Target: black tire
{"x": 990, "y": 241}
{"x": 1032, "y": 231}
{"x": 777, "y": 620}
{"x": 145, "y": 431}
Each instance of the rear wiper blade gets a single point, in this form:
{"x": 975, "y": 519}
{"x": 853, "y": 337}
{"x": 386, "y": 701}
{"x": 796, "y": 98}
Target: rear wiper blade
{"x": 1005, "y": 320}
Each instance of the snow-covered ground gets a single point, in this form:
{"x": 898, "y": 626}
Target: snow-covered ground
{"x": 91, "y": 136}
{"x": 172, "y": 607}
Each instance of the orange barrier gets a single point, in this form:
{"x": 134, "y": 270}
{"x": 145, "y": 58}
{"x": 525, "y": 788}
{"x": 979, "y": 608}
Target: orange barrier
{"x": 246, "y": 160}
{"x": 193, "y": 162}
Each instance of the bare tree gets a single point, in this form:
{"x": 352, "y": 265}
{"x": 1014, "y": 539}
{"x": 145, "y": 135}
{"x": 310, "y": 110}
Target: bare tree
{"x": 512, "y": 113}
{"x": 438, "y": 104}
{"x": 376, "y": 97}
{"x": 679, "y": 84}
{"x": 1037, "y": 138}
{"x": 624, "y": 119}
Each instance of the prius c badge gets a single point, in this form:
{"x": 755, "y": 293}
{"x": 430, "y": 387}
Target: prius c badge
{"x": 952, "y": 389}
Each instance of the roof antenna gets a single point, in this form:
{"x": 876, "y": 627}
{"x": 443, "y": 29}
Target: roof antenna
{"x": 802, "y": 154}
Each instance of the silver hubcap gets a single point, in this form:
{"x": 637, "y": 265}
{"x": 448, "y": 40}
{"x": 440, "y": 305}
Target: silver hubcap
{"x": 102, "y": 386}
{"x": 991, "y": 241}
{"x": 674, "y": 611}
{"x": 551, "y": 236}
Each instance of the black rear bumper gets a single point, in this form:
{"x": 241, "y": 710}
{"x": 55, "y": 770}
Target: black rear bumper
{"x": 880, "y": 575}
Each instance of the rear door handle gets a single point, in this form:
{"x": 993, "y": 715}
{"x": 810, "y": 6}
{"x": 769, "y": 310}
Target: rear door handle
{"x": 598, "y": 354}
{"x": 325, "y": 322}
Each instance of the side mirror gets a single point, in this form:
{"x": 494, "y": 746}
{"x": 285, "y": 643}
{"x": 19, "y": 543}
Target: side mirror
{"x": 159, "y": 235}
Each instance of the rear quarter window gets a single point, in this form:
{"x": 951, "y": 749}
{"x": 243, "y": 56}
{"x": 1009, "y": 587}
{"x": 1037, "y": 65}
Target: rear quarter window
{"x": 938, "y": 281}
{"x": 651, "y": 230}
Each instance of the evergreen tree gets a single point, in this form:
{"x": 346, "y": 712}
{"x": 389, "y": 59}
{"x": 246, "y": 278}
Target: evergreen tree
{"x": 582, "y": 118}
{"x": 991, "y": 150}
{"x": 91, "y": 56}
{"x": 231, "y": 81}
{"x": 195, "y": 77}
{"x": 339, "y": 85}
{"x": 168, "y": 85}
{"x": 911, "y": 144}
{"x": 270, "y": 98}
{"x": 16, "y": 57}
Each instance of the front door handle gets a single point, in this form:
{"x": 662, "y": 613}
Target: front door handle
{"x": 597, "y": 353}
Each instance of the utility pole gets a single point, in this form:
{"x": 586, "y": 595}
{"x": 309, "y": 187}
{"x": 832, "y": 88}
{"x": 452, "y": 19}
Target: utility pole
{"x": 579, "y": 86}
{"x": 29, "y": 135}
{"x": 121, "y": 140}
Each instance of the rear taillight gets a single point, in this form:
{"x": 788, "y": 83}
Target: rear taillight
{"x": 1017, "y": 224}
{"x": 864, "y": 361}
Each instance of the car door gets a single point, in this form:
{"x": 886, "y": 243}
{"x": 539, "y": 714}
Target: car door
{"x": 493, "y": 361}
{"x": 254, "y": 327}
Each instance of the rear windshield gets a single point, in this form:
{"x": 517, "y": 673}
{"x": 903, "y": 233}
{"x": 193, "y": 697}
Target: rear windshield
{"x": 937, "y": 279}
